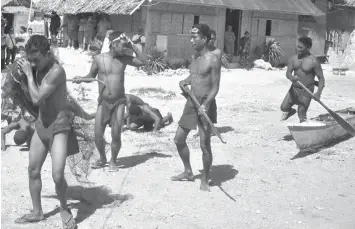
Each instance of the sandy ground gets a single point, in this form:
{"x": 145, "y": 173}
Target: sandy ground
{"x": 261, "y": 179}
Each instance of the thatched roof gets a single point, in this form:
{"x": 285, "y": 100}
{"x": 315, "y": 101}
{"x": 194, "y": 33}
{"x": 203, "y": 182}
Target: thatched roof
{"x": 89, "y": 6}
{"x": 344, "y": 3}
{"x": 15, "y": 9}
{"x": 15, "y": 3}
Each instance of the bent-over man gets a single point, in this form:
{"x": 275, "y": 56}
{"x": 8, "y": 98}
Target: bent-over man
{"x": 23, "y": 134}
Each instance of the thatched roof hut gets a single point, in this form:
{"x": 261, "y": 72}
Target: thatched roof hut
{"x": 89, "y": 6}
{"x": 14, "y": 6}
{"x": 343, "y": 3}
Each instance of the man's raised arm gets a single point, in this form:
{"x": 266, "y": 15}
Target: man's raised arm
{"x": 138, "y": 61}
{"x": 55, "y": 77}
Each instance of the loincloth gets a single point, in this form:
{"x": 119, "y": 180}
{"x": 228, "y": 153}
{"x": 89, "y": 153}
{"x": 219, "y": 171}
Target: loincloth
{"x": 299, "y": 96}
{"x": 109, "y": 111}
{"x": 62, "y": 125}
{"x": 190, "y": 117}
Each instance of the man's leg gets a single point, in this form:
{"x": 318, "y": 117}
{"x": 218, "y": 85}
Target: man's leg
{"x": 8, "y": 54}
{"x": 116, "y": 136}
{"x": 286, "y": 106}
{"x": 99, "y": 135}
{"x": 184, "y": 152}
{"x": 13, "y": 55}
{"x": 59, "y": 153}
{"x": 205, "y": 144}
{"x": 37, "y": 156}
{"x": 303, "y": 108}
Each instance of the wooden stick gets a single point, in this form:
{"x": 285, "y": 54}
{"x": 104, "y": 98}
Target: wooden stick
{"x": 197, "y": 105}
{"x": 88, "y": 80}
{"x": 349, "y": 128}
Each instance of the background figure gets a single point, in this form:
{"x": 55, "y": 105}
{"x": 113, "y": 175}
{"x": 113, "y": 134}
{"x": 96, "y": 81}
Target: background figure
{"x": 102, "y": 27}
{"x": 22, "y": 38}
{"x": 10, "y": 46}
{"x": 54, "y": 27}
{"x": 65, "y": 30}
{"x": 245, "y": 51}
{"x": 82, "y": 24}
{"x": 139, "y": 39}
{"x": 3, "y": 42}
{"x": 45, "y": 23}
{"x": 73, "y": 25}
{"x": 88, "y": 33}
{"x": 229, "y": 39}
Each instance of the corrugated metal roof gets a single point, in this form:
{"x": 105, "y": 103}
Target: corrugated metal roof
{"x": 301, "y": 7}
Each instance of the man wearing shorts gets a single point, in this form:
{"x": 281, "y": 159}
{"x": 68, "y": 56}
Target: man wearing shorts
{"x": 205, "y": 72}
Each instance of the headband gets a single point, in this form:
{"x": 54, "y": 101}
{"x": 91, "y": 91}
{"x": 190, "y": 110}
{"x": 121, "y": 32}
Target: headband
{"x": 194, "y": 30}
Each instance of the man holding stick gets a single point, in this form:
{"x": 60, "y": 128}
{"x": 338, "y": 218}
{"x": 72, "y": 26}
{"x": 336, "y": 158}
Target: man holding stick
{"x": 205, "y": 72}
{"x": 110, "y": 67}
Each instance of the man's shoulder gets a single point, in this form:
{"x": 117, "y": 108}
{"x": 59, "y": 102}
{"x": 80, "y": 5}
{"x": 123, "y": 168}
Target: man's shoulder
{"x": 57, "y": 72}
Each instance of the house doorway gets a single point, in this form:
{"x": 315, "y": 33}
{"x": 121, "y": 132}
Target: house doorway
{"x": 233, "y": 18}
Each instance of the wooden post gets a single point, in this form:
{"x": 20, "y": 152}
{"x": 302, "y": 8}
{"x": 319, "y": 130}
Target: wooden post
{"x": 148, "y": 29}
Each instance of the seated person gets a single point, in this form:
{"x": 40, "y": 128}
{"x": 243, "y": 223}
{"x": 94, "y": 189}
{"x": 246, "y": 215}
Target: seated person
{"x": 23, "y": 134}
{"x": 141, "y": 114}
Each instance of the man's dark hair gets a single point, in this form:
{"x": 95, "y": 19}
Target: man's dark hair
{"x": 37, "y": 43}
{"x": 115, "y": 34}
{"x": 20, "y": 137}
{"x": 23, "y": 28}
{"x": 204, "y": 30}
{"x": 213, "y": 32}
{"x": 307, "y": 41}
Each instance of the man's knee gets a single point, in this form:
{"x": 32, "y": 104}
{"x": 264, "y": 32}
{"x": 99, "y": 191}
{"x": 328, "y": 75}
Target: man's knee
{"x": 34, "y": 173}
{"x": 58, "y": 177}
{"x": 205, "y": 143}
{"x": 285, "y": 107}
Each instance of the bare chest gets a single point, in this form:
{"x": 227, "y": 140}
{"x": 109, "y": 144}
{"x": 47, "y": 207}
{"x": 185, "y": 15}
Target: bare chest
{"x": 111, "y": 66}
{"x": 200, "y": 68}
{"x": 306, "y": 65}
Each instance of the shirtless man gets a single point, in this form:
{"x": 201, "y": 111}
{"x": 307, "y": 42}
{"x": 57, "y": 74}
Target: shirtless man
{"x": 305, "y": 67}
{"x": 110, "y": 67}
{"x": 140, "y": 114}
{"x": 53, "y": 130}
{"x": 23, "y": 134}
{"x": 216, "y": 51}
{"x": 205, "y": 72}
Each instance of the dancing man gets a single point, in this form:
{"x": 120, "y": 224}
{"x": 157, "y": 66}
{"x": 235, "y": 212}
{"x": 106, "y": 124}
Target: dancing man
{"x": 302, "y": 67}
{"x": 110, "y": 67}
{"x": 53, "y": 128}
{"x": 205, "y": 72}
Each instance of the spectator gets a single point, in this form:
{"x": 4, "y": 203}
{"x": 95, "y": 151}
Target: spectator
{"x": 55, "y": 26}
{"x": 65, "y": 30}
{"x": 88, "y": 32}
{"x": 73, "y": 25}
{"x": 82, "y": 24}
{"x": 139, "y": 39}
{"x": 29, "y": 31}
{"x": 10, "y": 46}
{"x": 245, "y": 51}
{"x": 22, "y": 38}
{"x": 3, "y": 41}
{"x": 229, "y": 39}
{"x": 102, "y": 27}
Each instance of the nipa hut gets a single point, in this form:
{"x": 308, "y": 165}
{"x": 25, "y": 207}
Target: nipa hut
{"x": 16, "y": 12}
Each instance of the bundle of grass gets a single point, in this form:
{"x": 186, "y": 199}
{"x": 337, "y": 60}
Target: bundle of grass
{"x": 273, "y": 52}
{"x": 156, "y": 61}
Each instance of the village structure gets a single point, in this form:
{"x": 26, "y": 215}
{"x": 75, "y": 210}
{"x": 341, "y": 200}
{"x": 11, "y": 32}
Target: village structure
{"x": 253, "y": 101}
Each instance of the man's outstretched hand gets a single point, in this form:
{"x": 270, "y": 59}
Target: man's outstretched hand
{"x": 77, "y": 79}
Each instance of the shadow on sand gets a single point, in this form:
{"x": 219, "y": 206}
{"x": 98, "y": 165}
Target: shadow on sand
{"x": 314, "y": 150}
{"x": 225, "y": 129}
{"x": 287, "y": 138}
{"x": 220, "y": 174}
{"x": 90, "y": 199}
{"x": 134, "y": 160}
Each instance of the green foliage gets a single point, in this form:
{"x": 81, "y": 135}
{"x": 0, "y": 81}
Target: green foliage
{"x": 156, "y": 61}
{"x": 273, "y": 52}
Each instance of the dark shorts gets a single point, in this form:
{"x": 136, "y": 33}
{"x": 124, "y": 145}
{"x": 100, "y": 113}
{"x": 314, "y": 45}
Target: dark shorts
{"x": 73, "y": 34}
{"x": 109, "y": 111}
{"x": 190, "y": 117}
{"x": 63, "y": 125}
{"x": 89, "y": 36}
{"x": 54, "y": 32}
{"x": 145, "y": 120}
{"x": 298, "y": 96}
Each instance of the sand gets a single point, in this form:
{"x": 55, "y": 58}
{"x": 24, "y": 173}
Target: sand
{"x": 261, "y": 179}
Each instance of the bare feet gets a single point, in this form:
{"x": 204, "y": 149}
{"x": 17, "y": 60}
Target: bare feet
{"x": 30, "y": 218}
{"x": 113, "y": 167}
{"x": 204, "y": 186}
{"x": 67, "y": 219}
{"x": 185, "y": 176}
